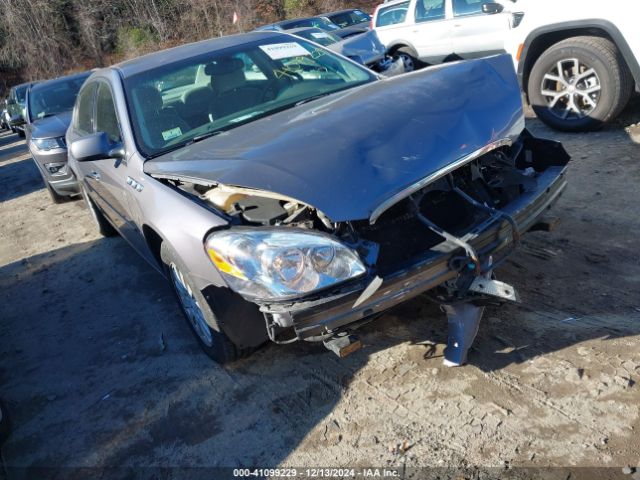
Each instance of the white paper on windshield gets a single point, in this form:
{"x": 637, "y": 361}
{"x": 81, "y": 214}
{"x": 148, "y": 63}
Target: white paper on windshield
{"x": 278, "y": 51}
{"x": 320, "y": 35}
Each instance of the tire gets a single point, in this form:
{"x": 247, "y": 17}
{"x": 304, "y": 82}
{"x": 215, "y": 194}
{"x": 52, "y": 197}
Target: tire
{"x": 104, "y": 226}
{"x": 21, "y": 133}
{"x": 199, "y": 312}
{"x": 409, "y": 58}
{"x": 591, "y": 99}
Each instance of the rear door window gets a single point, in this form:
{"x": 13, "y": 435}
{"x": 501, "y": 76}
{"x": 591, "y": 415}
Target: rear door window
{"x": 83, "y": 119}
{"x": 392, "y": 15}
{"x": 428, "y": 10}
{"x": 467, "y": 7}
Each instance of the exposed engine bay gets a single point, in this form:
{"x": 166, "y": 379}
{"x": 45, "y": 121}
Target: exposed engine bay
{"x": 440, "y": 216}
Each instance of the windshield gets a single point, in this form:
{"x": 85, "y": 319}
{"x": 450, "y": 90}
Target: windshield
{"x": 318, "y": 36}
{"x": 346, "y": 19}
{"x": 51, "y": 98}
{"x": 231, "y": 87}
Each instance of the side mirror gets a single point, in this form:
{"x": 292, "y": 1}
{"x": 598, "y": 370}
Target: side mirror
{"x": 96, "y": 146}
{"x": 492, "y": 8}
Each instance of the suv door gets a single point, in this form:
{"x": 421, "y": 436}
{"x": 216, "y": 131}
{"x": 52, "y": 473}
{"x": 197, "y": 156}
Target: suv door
{"x": 477, "y": 34}
{"x": 431, "y": 30}
{"x": 391, "y": 24}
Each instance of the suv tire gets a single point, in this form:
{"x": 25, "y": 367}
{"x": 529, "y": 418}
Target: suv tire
{"x": 594, "y": 76}
{"x": 203, "y": 316}
{"x": 409, "y": 59}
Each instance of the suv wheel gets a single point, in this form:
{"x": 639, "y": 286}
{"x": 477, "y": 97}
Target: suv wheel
{"x": 203, "y": 316}
{"x": 579, "y": 84}
{"x": 409, "y": 58}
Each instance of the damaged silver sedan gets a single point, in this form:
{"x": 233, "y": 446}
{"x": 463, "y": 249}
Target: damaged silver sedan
{"x": 288, "y": 193}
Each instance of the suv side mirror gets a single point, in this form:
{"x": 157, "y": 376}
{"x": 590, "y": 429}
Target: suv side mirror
{"x": 492, "y": 8}
{"x": 96, "y": 146}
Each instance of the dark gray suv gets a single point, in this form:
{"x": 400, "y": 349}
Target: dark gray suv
{"x": 47, "y": 115}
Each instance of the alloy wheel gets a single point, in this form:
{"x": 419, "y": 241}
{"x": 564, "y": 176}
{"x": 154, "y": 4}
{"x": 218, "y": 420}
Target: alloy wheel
{"x": 571, "y": 89}
{"x": 191, "y": 306}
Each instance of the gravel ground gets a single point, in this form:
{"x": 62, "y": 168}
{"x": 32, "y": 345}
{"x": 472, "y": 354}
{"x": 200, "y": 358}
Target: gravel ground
{"x": 99, "y": 369}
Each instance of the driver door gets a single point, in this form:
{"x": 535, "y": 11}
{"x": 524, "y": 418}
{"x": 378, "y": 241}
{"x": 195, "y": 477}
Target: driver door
{"x": 112, "y": 180}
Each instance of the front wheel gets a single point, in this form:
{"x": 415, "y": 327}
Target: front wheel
{"x": 199, "y": 312}
{"x": 579, "y": 84}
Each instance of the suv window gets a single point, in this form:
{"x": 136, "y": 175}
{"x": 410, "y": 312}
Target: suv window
{"x": 392, "y": 14}
{"x": 83, "y": 120}
{"x": 427, "y": 10}
{"x": 106, "y": 117}
{"x": 467, "y": 7}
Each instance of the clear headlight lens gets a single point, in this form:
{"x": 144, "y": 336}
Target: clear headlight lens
{"x": 49, "y": 143}
{"x": 273, "y": 265}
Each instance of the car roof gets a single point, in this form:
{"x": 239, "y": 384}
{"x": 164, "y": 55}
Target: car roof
{"x": 141, "y": 64}
{"x": 23, "y": 85}
{"x": 291, "y": 21}
{"x": 66, "y": 78}
{"x": 293, "y": 31}
{"x": 346, "y": 10}
{"x": 391, "y": 3}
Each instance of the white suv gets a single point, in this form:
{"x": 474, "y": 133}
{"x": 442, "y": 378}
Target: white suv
{"x": 577, "y": 60}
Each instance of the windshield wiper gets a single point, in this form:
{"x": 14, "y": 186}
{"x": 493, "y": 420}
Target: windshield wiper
{"x": 203, "y": 136}
{"x": 314, "y": 97}
{"x": 46, "y": 115}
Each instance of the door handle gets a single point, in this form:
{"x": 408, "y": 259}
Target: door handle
{"x": 95, "y": 175}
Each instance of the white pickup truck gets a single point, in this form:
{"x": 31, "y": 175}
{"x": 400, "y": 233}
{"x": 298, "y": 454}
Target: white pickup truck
{"x": 577, "y": 60}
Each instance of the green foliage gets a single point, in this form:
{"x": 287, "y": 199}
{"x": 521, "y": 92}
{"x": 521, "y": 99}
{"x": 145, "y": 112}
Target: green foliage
{"x": 132, "y": 40}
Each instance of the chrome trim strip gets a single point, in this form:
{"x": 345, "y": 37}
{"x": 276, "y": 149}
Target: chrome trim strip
{"x": 384, "y": 206}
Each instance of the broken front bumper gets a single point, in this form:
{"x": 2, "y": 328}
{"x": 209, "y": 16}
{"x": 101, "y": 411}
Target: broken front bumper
{"x": 493, "y": 241}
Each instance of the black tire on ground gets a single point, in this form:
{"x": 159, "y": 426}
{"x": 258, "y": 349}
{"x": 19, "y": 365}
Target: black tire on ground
{"x": 4, "y": 424}
{"x": 218, "y": 346}
{"x": 409, "y": 58}
{"x": 614, "y": 77}
{"x": 104, "y": 226}
{"x": 21, "y": 133}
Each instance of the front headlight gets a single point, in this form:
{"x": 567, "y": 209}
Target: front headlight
{"x": 273, "y": 265}
{"x": 49, "y": 143}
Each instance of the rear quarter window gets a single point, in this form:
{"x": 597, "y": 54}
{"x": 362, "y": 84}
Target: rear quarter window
{"x": 83, "y": 118}
{"x": 392, "y": 15}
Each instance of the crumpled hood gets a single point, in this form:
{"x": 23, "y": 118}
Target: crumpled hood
{"x": 50, "y": 127}
{"x": 366, "y": 45}
{"x": 347, "y": 153}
